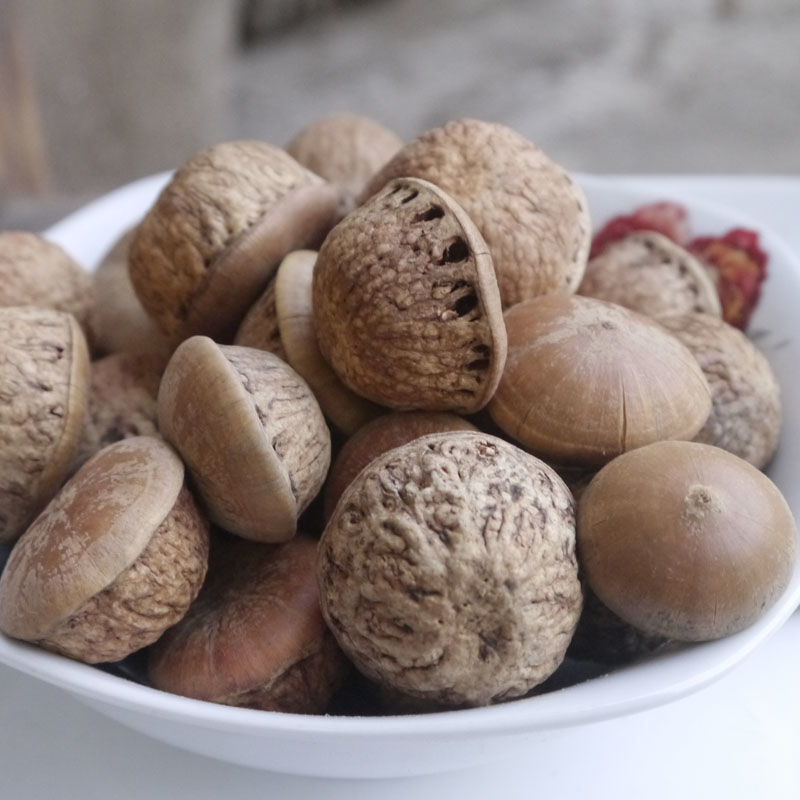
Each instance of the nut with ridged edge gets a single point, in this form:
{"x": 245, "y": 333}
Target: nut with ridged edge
{"x": 259, "y": 326}
{"x": 255, "y": 636}
{"x": 651, "y": 274}
{"x": 44, "y": 382}
{"x": 207, "y": 247}
{"x": 530, "y": 211}
{"x": 251, "y": 433}
{"x": 586, "y": 380}
{"x": 746, "y": 411}
{"x": 406, "y": 304}
{"x": 448, "y": 570}
{"x": 115, "y": 558}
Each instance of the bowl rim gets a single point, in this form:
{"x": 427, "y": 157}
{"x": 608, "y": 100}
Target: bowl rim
{"x": 623, "y": 691}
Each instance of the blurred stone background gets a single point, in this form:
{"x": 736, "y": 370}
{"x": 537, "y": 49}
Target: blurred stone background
{"x": 94, "y": 93}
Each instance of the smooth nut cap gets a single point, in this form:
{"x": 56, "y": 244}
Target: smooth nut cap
{"x": 406, "y": 304}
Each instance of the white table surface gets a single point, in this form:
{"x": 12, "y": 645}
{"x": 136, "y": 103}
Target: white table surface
{"x": 738, "y": 739}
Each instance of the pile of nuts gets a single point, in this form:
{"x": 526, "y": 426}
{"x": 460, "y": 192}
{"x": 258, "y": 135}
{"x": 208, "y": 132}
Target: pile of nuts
{"x": 363, "y": 424}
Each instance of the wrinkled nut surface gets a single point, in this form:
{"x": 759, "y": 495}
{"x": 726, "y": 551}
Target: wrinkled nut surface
{"x": 37, "y": 272}
{"x": 206, "y": 249}
{"x": 746, "y": 413}
{"x": 255, "y": 636}
{"x": 448, "y": 570}
{"x": 345, "y": 149}
{"x": 586, "y": 380}
{"x": 651, "y": 274}
{"x": 44, "y": 381}
{"x": 115, "y": 558}
{"x": 406, "y": 304}
{"x": 118, "y": 320}
{"x": 685, "y": 540}
{"x": 532, "y": 214}
{"x": 123, "y": 388}
{"x": 251, "y": 433}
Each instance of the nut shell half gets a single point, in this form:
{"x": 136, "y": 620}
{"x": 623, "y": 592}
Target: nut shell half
{"x": 406, "y": 304}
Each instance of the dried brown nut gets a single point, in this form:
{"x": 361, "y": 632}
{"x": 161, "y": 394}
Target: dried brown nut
{"x": 586, "y": 380}
{"x": 406, "y": 305}
{"x": 448, "y": 570}
{"x": 532, "y": 214}
{"x": 251, "y": 433}
{"x": 255, "y": 636}
{"x": 259, "y": 326}
{"x": 118, "y": 320}
{"x": 345, "y": 149}
{"x": 685, "y": 540}
{"x": 123, "y": 389}
{"x": 44, "y": 381}
{"x": 37, "y": 272}
{"x": 214, "y": 237}
{"x": 376, "y": 437}
{"x": 114, "y": 559}
{"x": 651, "y": 274}
{"x": 746, "y": 413}
{"x": 346, "y": 410}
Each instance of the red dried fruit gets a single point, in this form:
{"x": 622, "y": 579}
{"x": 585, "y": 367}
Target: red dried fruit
{"x": 739, "y": 265}
{"x": 665, "y": 217}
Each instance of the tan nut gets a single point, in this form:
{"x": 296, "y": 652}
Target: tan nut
{"x": 406, "y": 304}
{"x": 251, "y": 433}
{"x": 532, "y": 214}
{"x": 115, "y": 559}
{"x": 345, "y": 149}
{"x": 214, "y": 237}
{"x": 37, "y": 272}
{"x": 746, "y": 413}
{"x": 448, "y": 570}
{"x": 586, "y": 380}
{"x": 649, "y": 273}
{"x": 259, "y": 326}
{"x": 44, "y": 381}
{"x": 255, "y": 636}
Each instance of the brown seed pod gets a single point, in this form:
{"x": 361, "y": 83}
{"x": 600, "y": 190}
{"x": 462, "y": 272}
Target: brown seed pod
{"x": 586, "y": 380}
{"x": 651, "y": 274}
{"x": 114, "y": 560}
{"x": 375, "y": 438}
{"x": 44, "y": 381}
{"x": 345, "y": 149}
{"x": 448, "y": 570}
{"x": 215, "y": 236}
{"x": 36, "y": 272}
{"x": 255, "y": 636}
{"x": 685, "y": 540}
{"x": 746, "y": 413}
{"x": 251, "y": 433}
{"x": 532, "y": 214}
{"x": 259, "y": 326}
{"x": 123, "y": 388}
{"x": 406, "y": 305}
{"x": 119, "y": 322}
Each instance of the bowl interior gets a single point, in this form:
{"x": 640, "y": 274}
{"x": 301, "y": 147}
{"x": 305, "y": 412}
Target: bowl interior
{"x": 89, "y": 232}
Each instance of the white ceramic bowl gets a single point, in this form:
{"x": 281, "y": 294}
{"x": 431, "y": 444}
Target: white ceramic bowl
{"x": 417, "y": 744}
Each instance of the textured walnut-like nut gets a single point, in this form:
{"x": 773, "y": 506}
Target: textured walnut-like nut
{"x": 115, "y": 558}
{"x": 651, "y": 274}
{"x": 36, "y": 272}
{"x": 255, "y": 636}
{"x": 251, "y": 433}
{"x": 214, "y": 237}
{"x": 123, "y": 388}
{"x": 406, "y": 305}
{"x": 44, "y": 381}
{"x": 746, "y": 411}
{"x": 448, "y": 570}
{"x": 586, "y": 380}
{"x": 532, "y": 214}
{"x": 345, "y": 149}
{"x": 119, "y": 322}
